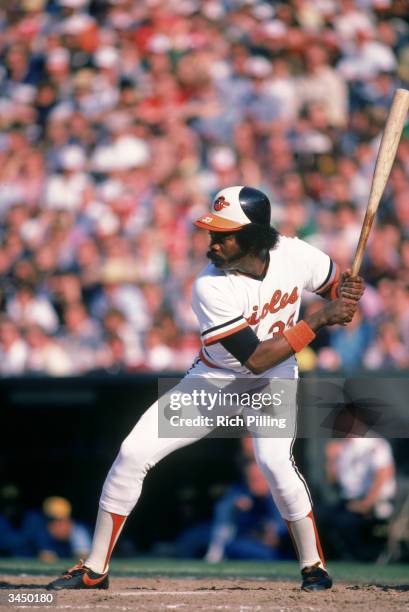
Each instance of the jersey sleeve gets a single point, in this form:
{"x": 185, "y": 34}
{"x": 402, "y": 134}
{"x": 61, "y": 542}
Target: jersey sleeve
{"x": 320, "y": 272}
{"x": 219, "y": 313}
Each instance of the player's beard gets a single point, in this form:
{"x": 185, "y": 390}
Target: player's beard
{"x": 227, "y": 263}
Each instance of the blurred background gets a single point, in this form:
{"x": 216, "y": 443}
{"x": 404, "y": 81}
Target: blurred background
{"x": 120, "y": 120}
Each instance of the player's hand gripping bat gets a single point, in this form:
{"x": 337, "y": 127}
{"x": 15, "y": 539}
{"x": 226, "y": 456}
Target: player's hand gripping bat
{"x": 386, "y": 155}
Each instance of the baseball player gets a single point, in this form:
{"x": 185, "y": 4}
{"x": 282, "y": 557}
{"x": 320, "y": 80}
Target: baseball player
{"x": 247, "y": 301}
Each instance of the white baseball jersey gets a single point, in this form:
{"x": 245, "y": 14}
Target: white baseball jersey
{"x": 227, "y": 301}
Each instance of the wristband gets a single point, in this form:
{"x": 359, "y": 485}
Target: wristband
{"x": 299, "y": 336}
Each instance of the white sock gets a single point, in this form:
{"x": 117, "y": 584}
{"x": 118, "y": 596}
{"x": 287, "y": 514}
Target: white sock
{"x": 306, "y": 541}
{"x": 107, "y": 530}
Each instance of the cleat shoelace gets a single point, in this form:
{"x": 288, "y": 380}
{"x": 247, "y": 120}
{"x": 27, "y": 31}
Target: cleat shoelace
{"x": 72, "y": 571}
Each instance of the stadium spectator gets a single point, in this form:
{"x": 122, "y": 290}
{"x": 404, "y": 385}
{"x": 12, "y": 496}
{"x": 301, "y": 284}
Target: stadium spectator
{"x": 246, "y": 523}
{"x": 12, "y": 512}
{"x": 25, "y": 308}
{"x": 116, "y": 324}
{"x": 349, "y": 345}
{"x": 362, "y": 469}
{"x": 80, "y": 337}
{"x": 52, "y": 533}
{"x": 13, "y": 349}
{"x": 48, "y": 534}
{"x": 388, "y": 351}
{"x": 45, "y": 355}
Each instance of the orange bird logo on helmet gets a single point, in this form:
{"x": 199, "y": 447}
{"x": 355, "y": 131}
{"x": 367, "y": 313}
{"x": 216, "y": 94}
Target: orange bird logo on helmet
{"x": 220, "y": 203}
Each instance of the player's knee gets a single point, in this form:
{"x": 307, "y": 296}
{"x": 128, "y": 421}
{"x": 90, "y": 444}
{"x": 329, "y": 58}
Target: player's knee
{"x": 273, "y": 459}
{"x": 276, "y": 469}
{"x": 132, "y": 454}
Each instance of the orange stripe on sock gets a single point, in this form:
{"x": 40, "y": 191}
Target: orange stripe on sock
{"x": 117, "y": 522}
{"x": 317, "y": 538}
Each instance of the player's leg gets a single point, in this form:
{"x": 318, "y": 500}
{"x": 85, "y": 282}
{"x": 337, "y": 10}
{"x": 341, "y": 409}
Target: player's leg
{"x": 139, "y": 452}
{"x": 290, "y": 493}
{"x": 292, "y": 497}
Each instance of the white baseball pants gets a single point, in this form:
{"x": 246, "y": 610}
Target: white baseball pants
{"x": 144, "y": 447}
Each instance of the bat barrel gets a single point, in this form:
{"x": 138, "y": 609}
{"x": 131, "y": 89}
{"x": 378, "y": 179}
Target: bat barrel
{"x": 386, "y": 155}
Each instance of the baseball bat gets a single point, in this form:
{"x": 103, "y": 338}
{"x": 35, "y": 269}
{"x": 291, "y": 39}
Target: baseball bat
{"x": 386, "y": 155}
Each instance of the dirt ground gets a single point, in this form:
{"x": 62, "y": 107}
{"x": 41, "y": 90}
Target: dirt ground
{"x": 191, "y": 595}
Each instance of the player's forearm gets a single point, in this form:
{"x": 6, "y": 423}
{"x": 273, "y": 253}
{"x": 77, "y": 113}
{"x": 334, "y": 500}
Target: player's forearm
{"x": 268, "y": 354}
{"x": 272, "y": 352}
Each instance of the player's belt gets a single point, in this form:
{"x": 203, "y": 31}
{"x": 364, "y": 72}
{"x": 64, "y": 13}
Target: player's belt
{"x": 203, "y": 358}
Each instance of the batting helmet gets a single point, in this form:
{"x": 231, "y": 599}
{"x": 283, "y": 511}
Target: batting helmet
{"x": 234, "y": 208}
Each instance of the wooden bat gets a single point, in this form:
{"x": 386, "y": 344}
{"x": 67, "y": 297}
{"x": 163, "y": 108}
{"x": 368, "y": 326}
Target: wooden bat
{"x": 386, "y": 155}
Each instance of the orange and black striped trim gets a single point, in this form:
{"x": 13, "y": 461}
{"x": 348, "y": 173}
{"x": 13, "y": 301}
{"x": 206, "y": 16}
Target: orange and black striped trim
{"x": 205, "y": 360}
{"x": 212, "y": 329}
{"x": 219, "y": 337}
{"x": 329, "y": 287}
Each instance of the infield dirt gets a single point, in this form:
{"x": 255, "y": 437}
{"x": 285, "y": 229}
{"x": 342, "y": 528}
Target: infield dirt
{"x": 190, "y": 595}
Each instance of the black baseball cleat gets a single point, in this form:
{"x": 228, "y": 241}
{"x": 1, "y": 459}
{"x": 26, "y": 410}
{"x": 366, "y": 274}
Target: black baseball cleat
{"x": 80, "y": 577}
{"x": 314, "y": 578}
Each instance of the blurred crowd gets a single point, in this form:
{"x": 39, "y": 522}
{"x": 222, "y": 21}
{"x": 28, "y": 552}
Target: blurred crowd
{"x": 120, "y": 119}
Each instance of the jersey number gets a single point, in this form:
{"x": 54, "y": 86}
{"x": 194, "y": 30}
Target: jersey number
{"x": 278, "y": 328}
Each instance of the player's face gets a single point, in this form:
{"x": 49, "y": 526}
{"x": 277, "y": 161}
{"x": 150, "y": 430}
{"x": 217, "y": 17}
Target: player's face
{"x": 224, "y": 252}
